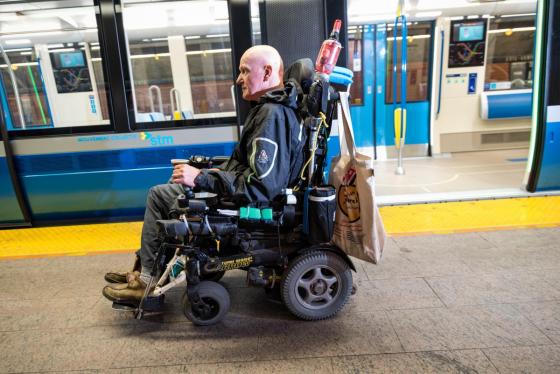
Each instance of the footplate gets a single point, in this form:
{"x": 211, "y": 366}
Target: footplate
{"x": 121, "y": 307}
{"x": 151, "y": 304}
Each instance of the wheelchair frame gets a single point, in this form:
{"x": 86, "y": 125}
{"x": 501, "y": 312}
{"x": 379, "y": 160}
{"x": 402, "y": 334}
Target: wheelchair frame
{"x": 303, "y": 275}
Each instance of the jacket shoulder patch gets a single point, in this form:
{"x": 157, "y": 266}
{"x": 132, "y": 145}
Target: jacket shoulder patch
{"x": 263, "y": 156}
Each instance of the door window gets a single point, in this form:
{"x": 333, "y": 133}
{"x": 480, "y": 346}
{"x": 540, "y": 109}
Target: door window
{"x": 509, "y": 60}
{"x": 418, "y": 62}
{"x": 355, "y": 63}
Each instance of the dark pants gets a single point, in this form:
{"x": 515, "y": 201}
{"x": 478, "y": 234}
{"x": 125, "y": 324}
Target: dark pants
{"x": 161, "y": 199}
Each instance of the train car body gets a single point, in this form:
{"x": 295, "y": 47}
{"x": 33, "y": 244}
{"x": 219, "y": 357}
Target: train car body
{"x": 96, "y": 101}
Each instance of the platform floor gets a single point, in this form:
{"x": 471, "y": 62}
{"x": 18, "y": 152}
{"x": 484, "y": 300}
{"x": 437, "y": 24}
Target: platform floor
{"x": 482, "y": 302}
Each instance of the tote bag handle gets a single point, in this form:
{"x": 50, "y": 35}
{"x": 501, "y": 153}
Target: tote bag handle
{"x": 345, "y": 132}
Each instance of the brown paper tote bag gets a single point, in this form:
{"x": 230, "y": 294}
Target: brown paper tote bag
{"x": 358, "y": 229}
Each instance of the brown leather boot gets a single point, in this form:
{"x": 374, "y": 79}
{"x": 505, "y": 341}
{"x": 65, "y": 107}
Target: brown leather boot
{"x": 121, "y": 293}
{"x": 122, "y": 276}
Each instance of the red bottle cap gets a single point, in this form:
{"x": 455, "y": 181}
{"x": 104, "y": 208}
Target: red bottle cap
{"x": 337, "y": 24}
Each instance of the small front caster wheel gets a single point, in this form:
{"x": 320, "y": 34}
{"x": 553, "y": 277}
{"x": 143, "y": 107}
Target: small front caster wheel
{"x": 210, "y": 305}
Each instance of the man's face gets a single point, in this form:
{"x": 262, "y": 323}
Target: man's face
{"x": 251, "y": 78}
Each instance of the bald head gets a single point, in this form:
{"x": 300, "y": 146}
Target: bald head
{"x": 260, "y": 70}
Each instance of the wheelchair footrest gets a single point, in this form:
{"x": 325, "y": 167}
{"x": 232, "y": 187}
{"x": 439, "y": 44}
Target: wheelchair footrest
{"x": 154, "y": 303}
{"x": 151, "y": 304}
{"x": 122, "y": 307}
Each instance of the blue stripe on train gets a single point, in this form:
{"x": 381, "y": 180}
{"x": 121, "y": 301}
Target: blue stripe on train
{"x": 549, "y": 178}
{"x": 100, "y": 184}
{"x": 108, "y": 185}
{"x": 115, "y": 159}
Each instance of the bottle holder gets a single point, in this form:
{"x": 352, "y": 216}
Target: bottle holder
{"x": 321, "y": 209}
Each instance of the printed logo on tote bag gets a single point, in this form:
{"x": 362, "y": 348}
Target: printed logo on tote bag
{"x": 348, "y": 199}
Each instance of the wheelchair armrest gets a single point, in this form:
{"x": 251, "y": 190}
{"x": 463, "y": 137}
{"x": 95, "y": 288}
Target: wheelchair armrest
{"x": 203, "y": 162}
{"x": 218, "y": 161}
{"x": 226, "y": 204}
{"x": 172, "y": 227}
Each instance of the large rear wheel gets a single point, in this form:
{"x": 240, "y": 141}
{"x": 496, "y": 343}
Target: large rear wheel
{"x": 316, "y": 285}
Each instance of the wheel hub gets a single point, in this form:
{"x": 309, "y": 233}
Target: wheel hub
{"x": 204, "y": 309}
{"x": 319, "y": 287}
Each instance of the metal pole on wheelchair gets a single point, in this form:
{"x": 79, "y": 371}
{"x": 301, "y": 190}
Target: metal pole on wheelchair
{"x": 139, "y": 312}
{"x": 315, "y": 122}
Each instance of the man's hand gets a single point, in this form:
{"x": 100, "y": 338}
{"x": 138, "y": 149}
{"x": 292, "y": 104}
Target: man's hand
{"x": 184, "y": 174}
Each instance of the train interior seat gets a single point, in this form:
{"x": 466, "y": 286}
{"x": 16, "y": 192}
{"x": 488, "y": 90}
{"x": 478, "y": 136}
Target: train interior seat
{"x": 157, "y": 116}
{"x": 188, "y": 114}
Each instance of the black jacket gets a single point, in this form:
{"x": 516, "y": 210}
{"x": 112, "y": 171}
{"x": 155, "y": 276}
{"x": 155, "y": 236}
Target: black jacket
{"x": 269, "y": 155}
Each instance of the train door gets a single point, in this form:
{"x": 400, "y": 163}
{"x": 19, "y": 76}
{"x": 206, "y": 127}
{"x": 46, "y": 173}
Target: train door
{"x": 419, "y": 47}
{"x": 13, "y": 208}
{"x": 361, "y": 60}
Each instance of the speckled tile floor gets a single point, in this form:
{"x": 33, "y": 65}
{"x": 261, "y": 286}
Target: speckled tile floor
{"x": 483, "y": 302}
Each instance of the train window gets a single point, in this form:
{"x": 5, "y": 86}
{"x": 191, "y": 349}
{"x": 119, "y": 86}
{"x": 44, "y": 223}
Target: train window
{"x": 418, "y": 62}
{"x": 509, "y": 60}
{"x": 355, "y": 60}
{"x": 47, "y": 71}
{"x": 256, "y": 22}
{"x": 180, "y": 59}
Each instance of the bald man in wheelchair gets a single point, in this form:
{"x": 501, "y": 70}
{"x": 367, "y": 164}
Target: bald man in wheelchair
{"x": 267, "y": 159}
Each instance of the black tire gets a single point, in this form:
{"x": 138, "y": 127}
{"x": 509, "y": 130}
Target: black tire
{"x": 316, "y": 285}
{"x": 213, "y": 277}
{"x": 216, "y": 299}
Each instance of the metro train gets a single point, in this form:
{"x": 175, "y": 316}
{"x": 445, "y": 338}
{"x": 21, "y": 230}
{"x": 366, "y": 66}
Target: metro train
{"x": 98, "y": 96}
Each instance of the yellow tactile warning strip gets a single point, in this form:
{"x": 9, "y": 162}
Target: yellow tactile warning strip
{"x": 477, "y": 215}
{"x": 416, "y": 219}
{"x": 70, "y": 240}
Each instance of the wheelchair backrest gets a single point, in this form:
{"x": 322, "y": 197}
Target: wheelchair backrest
{"x": 317, "y": 98}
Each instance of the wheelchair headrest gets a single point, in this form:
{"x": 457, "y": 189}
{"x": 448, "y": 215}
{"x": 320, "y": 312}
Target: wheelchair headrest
{"x": 302, "y": 73}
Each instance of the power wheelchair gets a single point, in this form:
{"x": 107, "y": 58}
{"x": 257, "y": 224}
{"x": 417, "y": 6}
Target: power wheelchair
{"x": 283, "y": 245}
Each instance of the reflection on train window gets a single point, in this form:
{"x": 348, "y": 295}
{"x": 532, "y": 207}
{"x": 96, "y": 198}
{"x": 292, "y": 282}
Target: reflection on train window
{"x": 418, "y": 62}
{"x": 46, "y": 68}
{"x": 151, "y": 71}
{"x": 509, "y": 60}
{"x": 355, "y": 59}
{"x": 256, "y": 22}
{"x": 32, "y": 98}
{"x": 180, "y": 56}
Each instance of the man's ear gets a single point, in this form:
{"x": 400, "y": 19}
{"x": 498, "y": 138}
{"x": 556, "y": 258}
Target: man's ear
{"x": 267, "y": 72}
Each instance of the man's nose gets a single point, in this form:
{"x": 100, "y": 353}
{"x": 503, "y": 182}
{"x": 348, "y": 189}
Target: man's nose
{"x": 238, "y": 80}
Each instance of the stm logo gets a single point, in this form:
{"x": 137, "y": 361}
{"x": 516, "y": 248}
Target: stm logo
{"x": 156, "y": 140}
